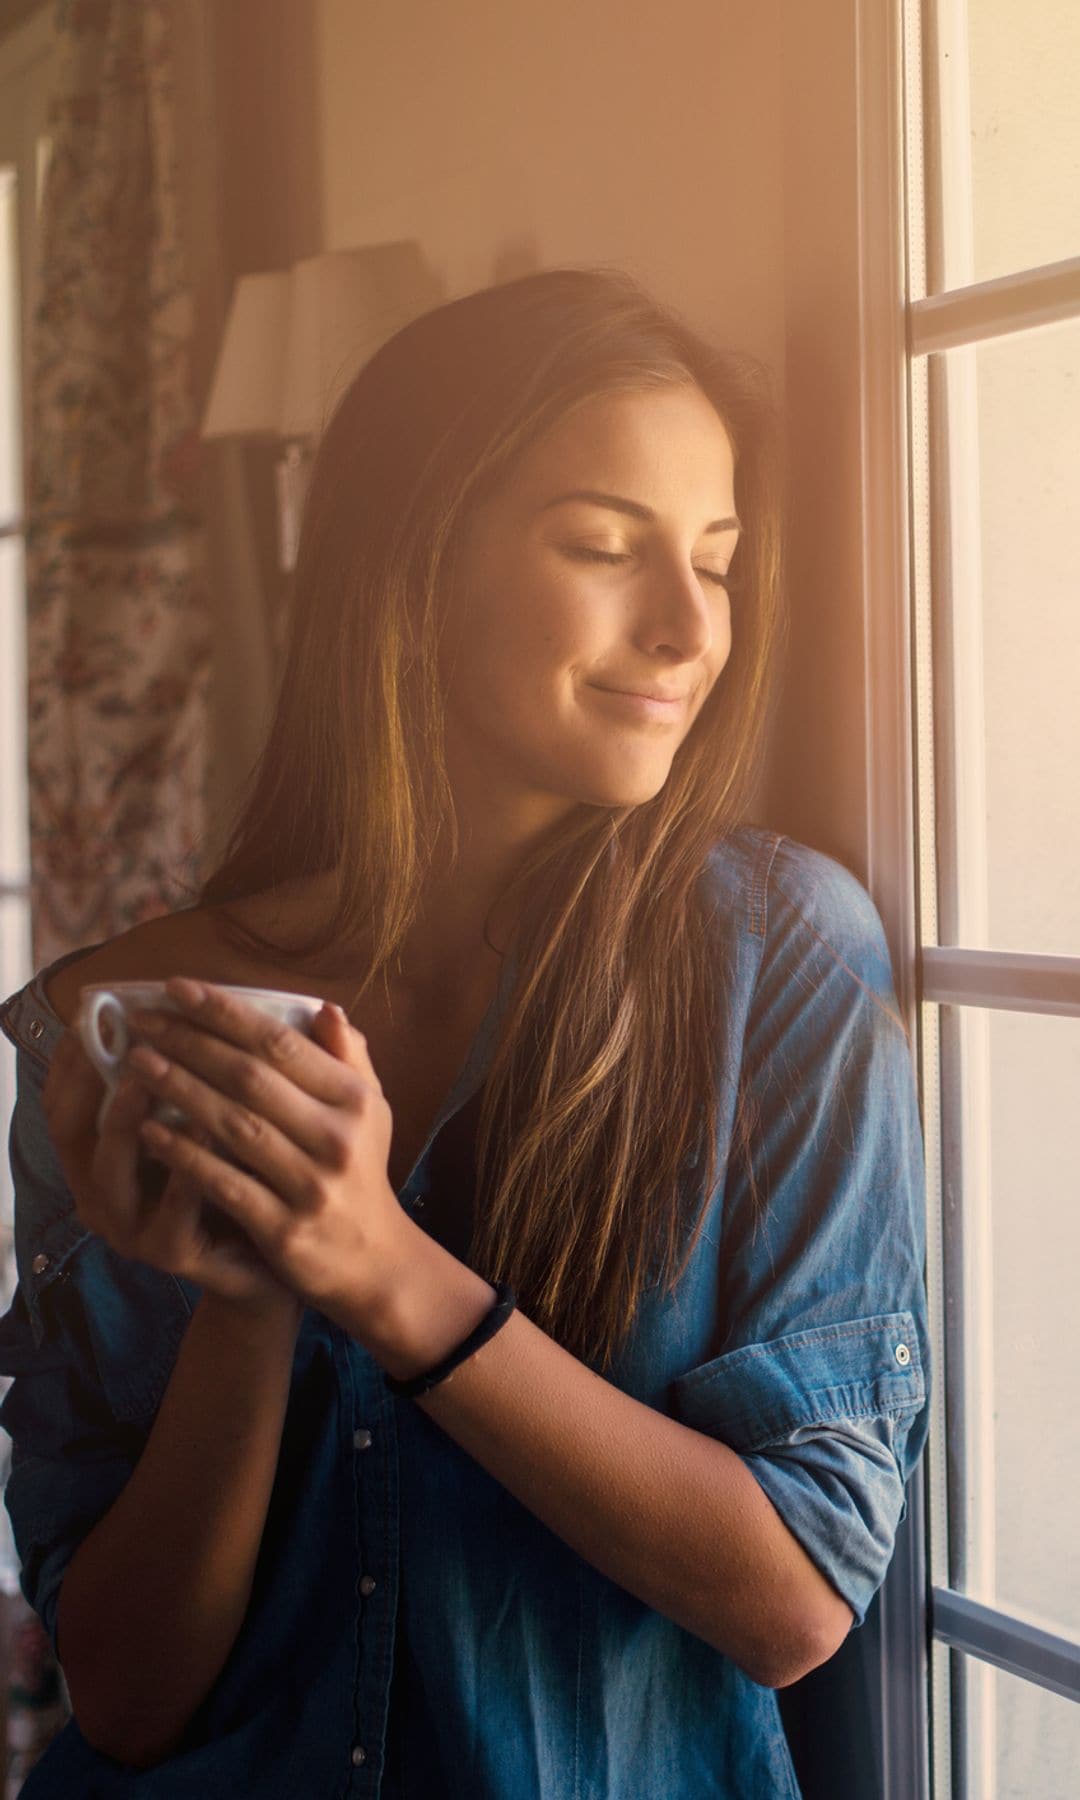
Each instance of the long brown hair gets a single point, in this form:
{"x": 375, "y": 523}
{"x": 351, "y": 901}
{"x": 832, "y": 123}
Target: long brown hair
{"x": 603, "y": 1087}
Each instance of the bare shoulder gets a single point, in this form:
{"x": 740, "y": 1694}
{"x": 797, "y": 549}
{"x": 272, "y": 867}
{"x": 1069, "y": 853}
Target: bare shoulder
{"x": 183, "y": 943}
{"x": 202, "y": 942}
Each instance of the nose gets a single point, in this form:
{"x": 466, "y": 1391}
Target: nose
{"x": 684, "y": 616}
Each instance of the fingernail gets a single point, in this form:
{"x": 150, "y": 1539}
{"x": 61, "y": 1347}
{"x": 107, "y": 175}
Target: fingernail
{"x": 181, "y": 988}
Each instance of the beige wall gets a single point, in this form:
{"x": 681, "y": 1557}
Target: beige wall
{"x": 508, "y": 137}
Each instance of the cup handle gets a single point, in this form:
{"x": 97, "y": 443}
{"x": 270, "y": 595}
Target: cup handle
{"x": 104, "y": 1005}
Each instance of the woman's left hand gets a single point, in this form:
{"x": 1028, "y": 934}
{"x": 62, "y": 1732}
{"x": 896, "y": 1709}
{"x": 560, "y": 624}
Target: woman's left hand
{"x": 308, "y": 1119}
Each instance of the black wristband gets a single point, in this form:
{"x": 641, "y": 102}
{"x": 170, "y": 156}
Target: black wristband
{"x": 505, "y": 1301}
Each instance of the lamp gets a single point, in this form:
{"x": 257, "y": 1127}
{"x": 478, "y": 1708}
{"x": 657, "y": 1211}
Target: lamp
{"x": 293, "y": 340}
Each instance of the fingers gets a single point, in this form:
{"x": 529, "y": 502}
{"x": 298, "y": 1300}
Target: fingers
{"x": 72, "y": 1092}
{"x": 129, "y": 1106}
{"x": 134, "y": 1200}
{"x": 279, "y": 1046}
{"x": 250, "y": 1208}
{"x": 110, "y": 1203}
{"x": 243, "y": 1130}
{"x": 254, "y": 1110}
{"x": 299, "y": 1053}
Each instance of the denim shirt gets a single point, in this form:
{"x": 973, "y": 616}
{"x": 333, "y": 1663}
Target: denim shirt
{"x": 522, "y": 1672}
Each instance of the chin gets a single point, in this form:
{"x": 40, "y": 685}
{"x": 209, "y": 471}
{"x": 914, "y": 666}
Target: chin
{"x": 621, "y": 792}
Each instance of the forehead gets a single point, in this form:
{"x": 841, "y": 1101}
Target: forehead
{"x": 668, "y": 440}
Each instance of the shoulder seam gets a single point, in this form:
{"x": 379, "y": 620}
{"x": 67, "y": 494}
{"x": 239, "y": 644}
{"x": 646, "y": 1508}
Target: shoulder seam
{"x": 759, "y": 884}
{"x": 841, "y": 961}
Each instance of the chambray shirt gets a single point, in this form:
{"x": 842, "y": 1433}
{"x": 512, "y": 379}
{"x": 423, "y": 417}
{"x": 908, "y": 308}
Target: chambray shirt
{"x": 414, "y": 1631}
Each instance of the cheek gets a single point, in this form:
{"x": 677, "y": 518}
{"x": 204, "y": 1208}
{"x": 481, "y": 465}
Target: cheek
{"x": 722, "y": 635}
{"x": 530, "y": 631}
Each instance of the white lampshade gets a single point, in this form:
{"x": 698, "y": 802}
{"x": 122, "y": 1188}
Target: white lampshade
{"x": 294, "y": 339}
{"x": 245, "y": 394}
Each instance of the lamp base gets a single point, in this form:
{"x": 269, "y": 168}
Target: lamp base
{"x": 292, "y": 474}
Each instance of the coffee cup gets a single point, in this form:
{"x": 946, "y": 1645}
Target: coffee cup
{"x": 102, "y": 1022}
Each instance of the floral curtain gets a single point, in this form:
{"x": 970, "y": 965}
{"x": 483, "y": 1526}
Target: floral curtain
{"x": 118, "y": 639}
{"x": 118, "y": 626}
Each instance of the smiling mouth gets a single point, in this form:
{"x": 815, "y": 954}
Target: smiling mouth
{"x": 645, "y": 694}
{"x": 643, "y": 706}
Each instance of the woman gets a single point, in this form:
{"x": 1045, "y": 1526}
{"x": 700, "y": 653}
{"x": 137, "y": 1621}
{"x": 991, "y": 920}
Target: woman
{"x": 308, "y": 1503}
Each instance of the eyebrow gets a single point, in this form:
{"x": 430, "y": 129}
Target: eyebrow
{"x": 633, "y": 507}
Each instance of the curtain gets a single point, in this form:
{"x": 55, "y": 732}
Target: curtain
{"x": 118, "y": 628}
{"x": 118, "y": 641}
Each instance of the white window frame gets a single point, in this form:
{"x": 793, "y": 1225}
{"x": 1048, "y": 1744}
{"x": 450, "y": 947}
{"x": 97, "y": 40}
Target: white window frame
{"x": 891, "y": 873}
{"x": 899, "y": 328}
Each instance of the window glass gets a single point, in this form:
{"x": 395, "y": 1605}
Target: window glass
{"x": 1007, "y": 449}
{"x": 1022, "y": 1740}
{"x": 1010, "y": 135}
{"x": 1021, "y": 1251}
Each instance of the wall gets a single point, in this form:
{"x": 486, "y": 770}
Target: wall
{"x": 505, "y": 138}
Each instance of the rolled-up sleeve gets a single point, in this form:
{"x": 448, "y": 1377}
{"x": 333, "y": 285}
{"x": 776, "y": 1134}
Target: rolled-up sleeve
{"x": 821, "y": 1380}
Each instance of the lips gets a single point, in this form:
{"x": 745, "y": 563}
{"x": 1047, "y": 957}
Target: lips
{"x": 644, "y": 708}
{"x": 644, "y": 693}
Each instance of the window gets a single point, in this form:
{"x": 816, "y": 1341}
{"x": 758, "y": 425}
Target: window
{"x": 24, "y": 74}
{"x": 992, "y": 136}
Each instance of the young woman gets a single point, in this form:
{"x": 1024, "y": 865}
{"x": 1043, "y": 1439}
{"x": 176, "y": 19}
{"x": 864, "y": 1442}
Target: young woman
{"x": 504, "y": 1391}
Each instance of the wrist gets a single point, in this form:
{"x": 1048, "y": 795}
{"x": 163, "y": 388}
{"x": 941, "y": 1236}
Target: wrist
{"x": 268, "y": 1315}
{"x": 432, "y": 1305}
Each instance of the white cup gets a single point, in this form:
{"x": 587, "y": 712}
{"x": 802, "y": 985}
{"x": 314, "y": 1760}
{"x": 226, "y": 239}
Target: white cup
{"x": 102, "y": 1024}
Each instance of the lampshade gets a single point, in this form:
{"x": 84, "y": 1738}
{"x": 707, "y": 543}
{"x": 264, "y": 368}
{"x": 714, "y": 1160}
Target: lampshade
{"x": 245, "y": 394}
{"x": 294, "y": 338}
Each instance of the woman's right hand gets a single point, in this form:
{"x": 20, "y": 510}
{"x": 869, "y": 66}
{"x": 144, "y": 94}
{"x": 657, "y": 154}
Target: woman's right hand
{"x": 130, "y": 1201}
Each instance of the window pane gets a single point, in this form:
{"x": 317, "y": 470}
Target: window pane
{"x": 1023, "y": 1742}
{"x": 1007, "y": 558}
{"x": 10, "y": 467}
{"x": 1022, "y": 1451}
{"x": 1010, "y": 135}
{"x": 14, "y": 828}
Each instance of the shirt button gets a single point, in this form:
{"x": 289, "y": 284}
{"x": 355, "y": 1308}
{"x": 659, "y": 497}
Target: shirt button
{"x": 36, "y": 1027}
{"x": 40, "y": 1263}
{"x": 359, "y": 1755}
{"x": 903, "y": 1355}
{"x": 361, "y": 1439}
{"x": 367, "y": 1584}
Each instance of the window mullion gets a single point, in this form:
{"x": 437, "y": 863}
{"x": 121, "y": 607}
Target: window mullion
{"x": 1007, "y": 1641}
{"x": 990, "y": 309}
{"x": 1015, "y": 981}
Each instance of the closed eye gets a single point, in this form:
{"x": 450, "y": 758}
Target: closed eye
{"x": 585, "y": 553}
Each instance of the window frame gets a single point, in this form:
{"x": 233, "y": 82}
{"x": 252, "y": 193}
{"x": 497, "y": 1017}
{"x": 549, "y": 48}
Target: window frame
{"x": 899, "y": 327}
{"x": 881, "y": 62}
